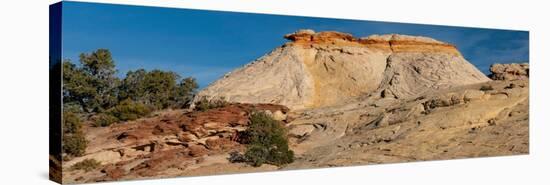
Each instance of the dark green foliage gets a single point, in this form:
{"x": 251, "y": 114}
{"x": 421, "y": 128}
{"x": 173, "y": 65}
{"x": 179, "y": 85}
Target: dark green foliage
{"x": 78, "y": 87}
{"x": 158, "y": 88}
{"x": 98, "y": 63}
{"x": 236, "y": 157}
{"x": 86, "y": 165}
{"x": 185, "y": 92}
{"x": 101, "y": 67}
{"x": 129, "y": 110}
{"x": 72, "y": 107}
{"x": 256, "y": 155}
{"x": 103, "y": 120}
{"x": 268, "y": 142}
{"x": 204, "y": 104}
{"x": 71, "y": 123}
{"x": 92, "y": 86}
{"x": 74, "y": 142}
{"x": 132, "y": 87}
{"x": 126, "y": 110}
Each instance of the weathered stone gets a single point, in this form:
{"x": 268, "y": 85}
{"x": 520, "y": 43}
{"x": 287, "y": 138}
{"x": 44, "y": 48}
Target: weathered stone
{"x": 327, "y": 68}
{"x": 301, "y": 130}
{"x": 471, "y": 95}
{"x": 512, "y": 71}
{"x": 113, "y": 172}
{"x": 278, "y": 115}
{"x": 219, "y": 143}
{"x": 197, "y": 150}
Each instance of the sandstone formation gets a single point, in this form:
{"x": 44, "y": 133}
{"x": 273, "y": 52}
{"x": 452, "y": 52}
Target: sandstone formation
{"x": 327, "y": 68}
{"x": 345, "y": 101}
{"x": 509, "y": 71}
{"x": 461, "y": 122}
{"x": 169, "y": 143}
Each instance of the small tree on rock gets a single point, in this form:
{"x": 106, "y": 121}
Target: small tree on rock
{"x": 268, "y": 142}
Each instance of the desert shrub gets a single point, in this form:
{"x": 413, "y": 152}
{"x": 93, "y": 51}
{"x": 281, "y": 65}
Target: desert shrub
{"x": 204, "y": 104}
{"x": 73, "y": 108}
{"x": 486, "y": 88}
{"x": 86, "y": 165}
{"x": 236, "y": 157}
{"x": 103, "y": 120}
{"x": 185, "y": 92}
{"x": 267, "y": 142}
{"x": 71, "y": 122}
{"x": 74, "y": 144}
{"x": 256, "y": 155}
{"x": 129, "y": 110}
{"x": 159, "y": 89}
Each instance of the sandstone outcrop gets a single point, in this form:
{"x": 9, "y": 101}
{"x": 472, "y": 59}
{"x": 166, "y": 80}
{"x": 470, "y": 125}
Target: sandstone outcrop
{"x": 327, "y": 68}
{"x": 345, "y": 101}
{"x": 460, "y": 122}
{"x": 509, "y": 71}
{"x": 171, "y": 140}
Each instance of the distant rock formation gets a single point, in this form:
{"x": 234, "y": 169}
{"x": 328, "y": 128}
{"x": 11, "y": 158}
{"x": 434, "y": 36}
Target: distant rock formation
{"x": 325, "y": 68}
{"x": 509, "y": 71}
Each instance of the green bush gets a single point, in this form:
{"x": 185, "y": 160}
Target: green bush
{"x": 267, "y": 142}
{"x": 236, "y": 157}
{"x": 129, "y": 110}
{"x": 204, "y": 104}
{"x": 74, "y": 144}
{"x": 86, "y": 165}
{"x": 256, "y": 155}
{"x": 126, "y": 110}
{"x": 186, "y": 91}
{"x": 71, "y": 122}
{"x": 159, "y": 89}
{"x": 104, "y": 120}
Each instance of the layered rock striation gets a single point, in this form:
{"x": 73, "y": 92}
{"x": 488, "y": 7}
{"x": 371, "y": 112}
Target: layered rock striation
{"x": 326, "y": 68}
{"x": 169, "y": 143}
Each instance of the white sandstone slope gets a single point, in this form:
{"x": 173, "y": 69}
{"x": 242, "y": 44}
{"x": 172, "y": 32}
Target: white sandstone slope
{"x": 326, "y": 68}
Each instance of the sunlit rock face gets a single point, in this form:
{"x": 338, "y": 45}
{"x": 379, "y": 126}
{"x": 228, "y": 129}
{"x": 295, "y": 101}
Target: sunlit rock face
{"x": 327, "y": 68}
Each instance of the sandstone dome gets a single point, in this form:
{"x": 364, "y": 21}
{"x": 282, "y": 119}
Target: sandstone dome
{"x": 321, "y": 69}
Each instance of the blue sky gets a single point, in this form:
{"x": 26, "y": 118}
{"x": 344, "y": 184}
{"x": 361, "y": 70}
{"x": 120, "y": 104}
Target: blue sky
{"x": 208, "y": 44}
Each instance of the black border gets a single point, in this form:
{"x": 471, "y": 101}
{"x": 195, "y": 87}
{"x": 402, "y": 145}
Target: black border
{"x": 55, "y": 78}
